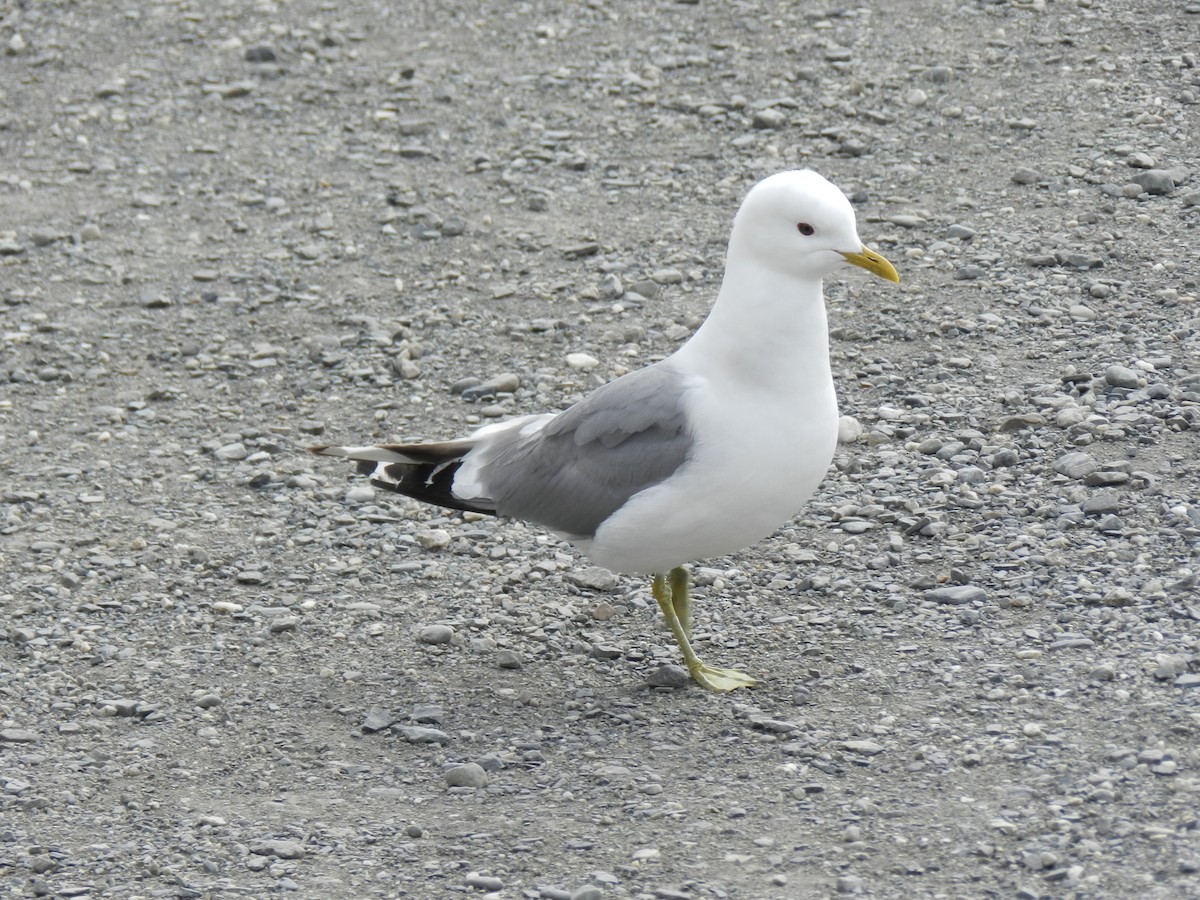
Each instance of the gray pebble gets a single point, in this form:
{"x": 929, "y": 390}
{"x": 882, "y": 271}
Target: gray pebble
{"x": 232, "y": 452}
{"x": 769, "y": 118}
{"x": 508, "y": 659}
{"x": 592, "y": 578}
{"x": 849, "y": 430}
{"x": 284, "y": 624}
{"x": 504, "y": 383}
{"x": 280, "y": 849}
{"x": 259, "y": 54}
{"x": 420, "y": 734}
{"x": 1025, "y": 175}
{"x": 483, "y": 882}
{"x": 469, "y": 775}
{"x": 1156, "y": 182}
{"x": 17, "y": 736}
{"x": 433, "y": 538}
{"x": 956, "y": 594}
{"x": 435, "y": 634}
{"x": 849, "y": 884}
{"x": 669, "y": 676}
{"x": 377, "y": 719}
{"x": 1121, "y": 376}
{"x": 358, "y": 494}
{"x": 1076, "y": 464}
{"x": 428, "y": 714}
{"x": 591, "y": 892}
{"x": 1101, "y": 503}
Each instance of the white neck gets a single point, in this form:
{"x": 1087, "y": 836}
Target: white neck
{"x": 766, "y": 328}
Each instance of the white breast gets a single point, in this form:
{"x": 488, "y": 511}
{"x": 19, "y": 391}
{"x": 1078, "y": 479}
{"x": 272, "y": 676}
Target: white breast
{"x": 759, "y": 455}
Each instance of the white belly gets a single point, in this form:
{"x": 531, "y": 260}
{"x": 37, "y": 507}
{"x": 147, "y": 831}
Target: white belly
{"x": 757, "y": 460}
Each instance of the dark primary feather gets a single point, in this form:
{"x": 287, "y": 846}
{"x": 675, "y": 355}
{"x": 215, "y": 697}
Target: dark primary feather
{"x": 427, "y": 482}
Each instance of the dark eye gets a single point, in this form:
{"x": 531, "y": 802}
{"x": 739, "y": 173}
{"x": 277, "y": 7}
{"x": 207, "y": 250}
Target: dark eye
{"x": 805, "y": 229}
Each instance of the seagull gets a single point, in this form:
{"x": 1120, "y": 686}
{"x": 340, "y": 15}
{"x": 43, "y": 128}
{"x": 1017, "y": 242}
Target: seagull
{"x": 699, "y": 455}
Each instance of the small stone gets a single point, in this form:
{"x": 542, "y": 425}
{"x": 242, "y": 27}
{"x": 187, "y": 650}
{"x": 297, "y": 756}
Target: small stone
{"x": 1157, "y": 182}
{"x": 284, "y": 623}
{"x": 377, "y": 719}
{"x": 866, "y": 748}
{"x": 508, "y": 659}
{"x": 582, "y": 361}
{"x": 603, "y": 612}
{"x": 669, "y": 676}
{"x": 433, "y": 538}
{"x": 1102, "y": 503}
{"x": 280, "y": 849}
{"x": 849, "y": 430}
{"x": 849, "y": 884}
{"x": 358, "y": 494}
{"x": 591, "y": 892}
{"x": 414, "y": 831}
{"x": 472, "y": 389}
{"x": 435, "y": 634}
{"x": 769, "y": 118}
{"x": 469, "y": 775}
{"x": 611, "y": 287}
{"x": 1188, "y": 680}
{"x": 43, "y": 237}
{"x": 1025, "y": 175}
{"x": 17, "y": 736}
{"x": 969, "y": 273}
{"x": 483, "y": 882}
{"x": 232, "y": 452}
{"x": 421, "y": 734}
{"x": 592, "y": 578}
{"x": 259, "y": 54}
{"x": 956, "y": 594}
{"x": 1076, "y": 464}
{"x": 667, "y": 276}
{"x": 1122, "y": 377}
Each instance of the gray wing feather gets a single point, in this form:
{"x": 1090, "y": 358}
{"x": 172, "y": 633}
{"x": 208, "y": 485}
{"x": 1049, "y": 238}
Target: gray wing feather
{"x": 587, "y": 462}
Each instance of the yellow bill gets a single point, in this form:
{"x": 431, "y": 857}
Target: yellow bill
{"x": 874, "y": 263}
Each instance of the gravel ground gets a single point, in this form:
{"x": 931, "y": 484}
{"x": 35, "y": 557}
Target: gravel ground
{"x": 230, "y": 230}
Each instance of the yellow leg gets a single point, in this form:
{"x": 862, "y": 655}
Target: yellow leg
{"x": 674, "y": 602}
{"x": 681, "y": 597}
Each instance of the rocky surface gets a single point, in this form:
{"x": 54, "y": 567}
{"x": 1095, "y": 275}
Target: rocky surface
{"x": 231, "y": 230}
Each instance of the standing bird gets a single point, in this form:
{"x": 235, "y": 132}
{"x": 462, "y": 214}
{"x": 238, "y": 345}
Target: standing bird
{"x": 696, "y": 456}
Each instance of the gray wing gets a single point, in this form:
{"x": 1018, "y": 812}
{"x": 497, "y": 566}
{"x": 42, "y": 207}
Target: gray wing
{"x": 588, "y": 461}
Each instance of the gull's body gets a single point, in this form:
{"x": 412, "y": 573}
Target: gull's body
{"x": 697, "y": 456}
